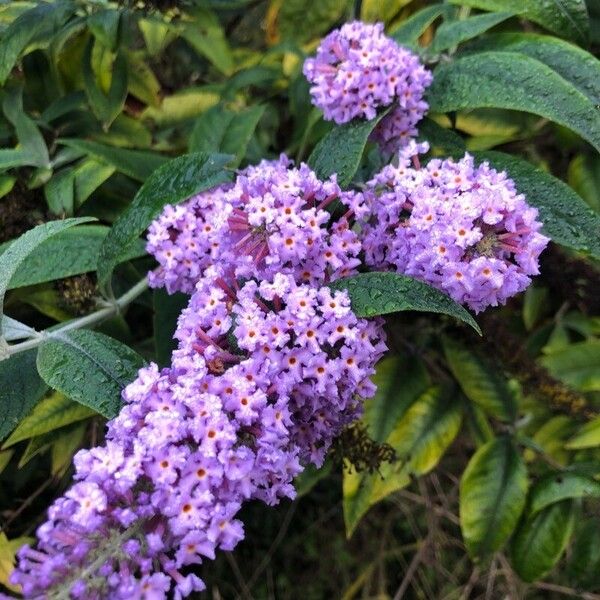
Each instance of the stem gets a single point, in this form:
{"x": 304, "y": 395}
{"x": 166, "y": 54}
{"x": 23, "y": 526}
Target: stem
{"x": 94, "y": 318}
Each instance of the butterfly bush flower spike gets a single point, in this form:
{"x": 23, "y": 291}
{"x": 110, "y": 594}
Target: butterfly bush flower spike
{"x": 459, "y": 227}
{"x": 358, "y": 70}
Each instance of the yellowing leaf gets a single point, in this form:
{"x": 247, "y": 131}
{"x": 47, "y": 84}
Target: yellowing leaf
{"x": 8, "y": 550}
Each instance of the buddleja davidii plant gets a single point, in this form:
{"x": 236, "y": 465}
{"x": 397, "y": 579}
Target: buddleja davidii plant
{"x": 489, "y": 391}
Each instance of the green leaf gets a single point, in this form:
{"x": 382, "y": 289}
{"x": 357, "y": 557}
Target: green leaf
{"x": 578, "y": 365}
{"x": 143, "y": 83}
{"x": 303, "y": 22}
{"x": 172, "y": 183}
{"x": 20, "y": 389}
{"x": 14, "y": 158}
{"x": 167, "y": 308}
{"x": 493, "y": 490}
{"x": 41, "y": 20}
{"x": 535, "y": 305}
{"x": 541, "y": 539}
{"x": 71, "y": 252}
{"x": 441, "y": 140}
{"x": 64, "y": 448}
{"x": 410, "y": 30}
{"x": 51, "y": 413}
{"x": 584, "y": 177}
{"x": 206, "y": 36}
{"x": 578, "y": 67}
{"x": 11, "y": 329}
{"x": 222, "y": 130}
{"x": 89, "y": 367}
{"x": 183, "y": 105}
{"x": 587, "y": 437}
{"x": 584, "y": 559}
{"x": 453, "y": 33}
{"x": 8, "y": 551}
{"x": 400, "y": 381}
{"x": 420, "y": 438}
{"x": 561, "y": 486}
{"x": 105, "y": 106}
{"x": 134, "y": 163}
{"x": 480, "y": 381}
{"x": 22, "y": 247}
{"x": 566, "y": 218}
{"x": 514, "y": 81}
{"x": 380, "y": 10}
{"x": 566, "y": 18}
{"x": 30, "y": 139}
{"x": 375, "y": 293}
{"x": 104, "y": 24}
{"x": 340, "y": 151}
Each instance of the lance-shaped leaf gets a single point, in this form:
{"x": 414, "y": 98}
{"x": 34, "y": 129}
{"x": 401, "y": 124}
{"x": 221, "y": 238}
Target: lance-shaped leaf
{"x": 377, "y": 293}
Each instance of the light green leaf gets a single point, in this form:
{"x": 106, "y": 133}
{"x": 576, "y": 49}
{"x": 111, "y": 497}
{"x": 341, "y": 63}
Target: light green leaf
{"x": 71, "y": 252}
{"x": 587, "y": 437}
{"x": 22, "y": 247}
{"x": 30, "y": 139}
{"x": 11, "y": 329}
{"x": 493, "y": 491}
{"x": 222, "y": 130}
{"x": 381, "y": 10}
{"x": 400, "y": 381}
{"x": 420, "y": 438}
{"x": 541, "y": 540}
{"x": 584, "y": 177}
{"x": 136, "y": 164}
{"x": 578, "y": 67}
{"x": 5, "y": 457}
{"x": 561, "y": 486}
{"x": 64, "y": 448}
{"x": 410, "y": 30}
{"x": 183, "y": 105}
{"x": 20, "y": 389}
{"x": 51, "y": 413}
{"x": 577, "y": 365}
{"x": 566, "y": 18}
{"x": 157, "y": 33}
{"x": 143, "y": 83}
{"x": 514, "y": 81}
{"x": 14, "y": 158}
{"x": 8, "y": 551}
{"x": 480, "y": 381}
{"x": 375, "y": 293}
{"x": 172, "y": 183}
{"x": 89, "y": 367}
{"x": 566, "y": 218}
{"x": 108, "y": 106}
{"x": 340, "y": 151}
{"x": 206, "y": 36}
{"x": 104, "y": 24}
{"x": 453, "y": 33}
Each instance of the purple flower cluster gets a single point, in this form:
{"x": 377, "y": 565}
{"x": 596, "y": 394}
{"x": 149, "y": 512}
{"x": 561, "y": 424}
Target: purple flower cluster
{"x": 263, "y": 380}
{"x": 273, "y": 219}
{"x": 302, "y": 346}
{"x": 357, "y": 70}
{"x": 461, "y": 228}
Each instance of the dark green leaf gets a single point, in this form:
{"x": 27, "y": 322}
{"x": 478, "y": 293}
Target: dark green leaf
{"x": 167, "y": 308}
{"x": 565, "y": 216}
{"x": 584, "y": 178}
{"x": 400, "y": 381}
{"x": 584, "y": 560}
{"x": 301, "y": 22}
{"x": 481, "y": 382}
{"x": 453, "y": 33}
{"x": 514, "y": 81}
{"x": 22, "y": 247}
{"x": 20, "y": 389}
{"x": 374, "y": 294}
{"x": 340, "y": 151}
{"x": 51, "y": 413}
{"x": 409, "y": 31}
{"x": 104, "y": 24}
{"x": 561, "y": 486}
{"x": 39, "y": 21}
{"x": 567, "y": 18}
{"x": 441, "y": 140}
{"x": 88, "y": 367}
{"x": 578, "y": 67}
{"x": 71, "y": 252}
{"x": 493, "y": 490}
{"x": 172, "y": 183}
{"x": 541, "y": 539}
{"x": 222, "y": 130}
{"x": 133, "y": 163}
